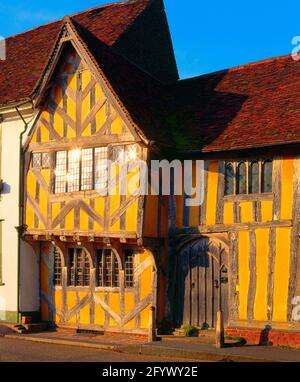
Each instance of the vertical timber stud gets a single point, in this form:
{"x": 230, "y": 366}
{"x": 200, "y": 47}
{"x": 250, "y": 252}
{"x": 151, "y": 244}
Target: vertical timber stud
{"x": 153, "y": 307}
{"x": 64, "y": 284}
{"x": 122, "y": 294}
{"x": 237, "y": 212}
{"x": 204, "y": 205}
{"x": 220, "y": 194}
{"x": 252, "y": 282}
{"x": 277, "y": 188}
{"x": 271, "y": 265}
{"x": 220, "y": 316}
{"x": 92, "y": 292}
{"x": 294, "y": 260}
{"x": 233, "y": 276}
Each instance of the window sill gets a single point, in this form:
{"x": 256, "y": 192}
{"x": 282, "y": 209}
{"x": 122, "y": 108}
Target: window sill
{"x": 249, "y": 197}
{"x": 77, "y": 194}
{"x": 107, "y": 289}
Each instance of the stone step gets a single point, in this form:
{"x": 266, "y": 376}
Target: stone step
{"x": 28, "y": 328}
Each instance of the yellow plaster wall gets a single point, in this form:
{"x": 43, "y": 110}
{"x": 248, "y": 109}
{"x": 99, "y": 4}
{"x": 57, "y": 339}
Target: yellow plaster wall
{"x": 244, "y": 274}
{"x": 262, "y": 254}
{"x": 281, "y": 273}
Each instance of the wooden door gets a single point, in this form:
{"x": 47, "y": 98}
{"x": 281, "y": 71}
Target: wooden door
{"x": 197, "y": 285}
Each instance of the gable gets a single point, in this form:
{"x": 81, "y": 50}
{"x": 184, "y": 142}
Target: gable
{"x": 77, "y": 107}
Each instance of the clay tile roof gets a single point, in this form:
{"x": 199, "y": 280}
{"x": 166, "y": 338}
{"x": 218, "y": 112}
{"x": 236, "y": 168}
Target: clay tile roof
{"x": 28, "y": 53}
{"x": 141, "y": 95}
{"x": 248, "y": 106}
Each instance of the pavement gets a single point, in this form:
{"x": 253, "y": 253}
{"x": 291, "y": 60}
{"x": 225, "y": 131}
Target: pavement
{"x": 184, "y": 348}
{"x": 26, "y": 351}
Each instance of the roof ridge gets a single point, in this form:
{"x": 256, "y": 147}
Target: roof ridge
{"x": 61, "y": 19}
{"x": 239, "y": 67}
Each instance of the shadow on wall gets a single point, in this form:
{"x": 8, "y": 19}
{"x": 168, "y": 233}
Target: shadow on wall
{"x": 264, "y": 338}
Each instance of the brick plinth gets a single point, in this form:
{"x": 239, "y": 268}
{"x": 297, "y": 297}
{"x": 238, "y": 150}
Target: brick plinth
{"x": 264, "y": 336}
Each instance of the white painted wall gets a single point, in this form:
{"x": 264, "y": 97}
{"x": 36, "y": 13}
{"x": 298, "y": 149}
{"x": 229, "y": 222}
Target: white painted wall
{"x": 9, "y": 212}
{"x": 29, "y": 279}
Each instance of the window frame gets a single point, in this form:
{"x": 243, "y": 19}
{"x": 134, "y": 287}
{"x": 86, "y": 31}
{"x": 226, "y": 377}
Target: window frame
{"x": 84, "y": 269}
{"x": 108, "y": 155}
{"x": 41, "y": 160}
{"x": 57, "y": 255}
{"x": 115, "y": 255}
{"x": 248, "y": 162}
{"x": 133, "y": 256}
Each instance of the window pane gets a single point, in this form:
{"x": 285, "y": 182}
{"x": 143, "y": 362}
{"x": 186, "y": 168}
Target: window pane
{"x": 79, "y": 267}
{"x": 37, "y": 160}
{"x": 61, "y": 172}
{"x": 131, "y": 153}
{"x": 108, "y": 269}
{"x": 87, "y": 169}
{"x": 241, "y": 178}
{"x": 101, "y": 168}
{"x": 86, "y": 278}
{"x": 46, "y": 160}
{"x": 118, "y": 154}
{"x": 73, "y": 170}
{"x": 267, "y": 176}
{"x": 72, "y": 261}
{"x": 229, "y": 180}
{"x": 100, "y": 281}
{"x": 129, "y": 269}
{"x": 115, "y": 275}
{"x": 57, "y": 268}
{"x": 254, "y": 178}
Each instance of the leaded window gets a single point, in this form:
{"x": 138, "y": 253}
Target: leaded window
{"x": 107, "y": 269}
{"x": 248, "y": 177}
{"x": 267, "y": 176}
{"x": 61, "y": 172}
{"x": 87, "y": 169}
{"x": 57, "y": 268}
{"x": 129, "y": 269}
{"x": 229, "y": 179}
{"x": 73, "y": 176}
{"x": 41, "y": 160}
{"x": 79, "y": 267}
{"x": 241, "y": 178}
{"x": 254, "y": 178}
{"x": 101, "y": 168}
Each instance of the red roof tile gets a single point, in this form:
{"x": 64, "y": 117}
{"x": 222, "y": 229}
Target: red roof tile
{"x": 140, "y": 94}
{"x": 28, "y": 53}
{"x": 248, "y": 106}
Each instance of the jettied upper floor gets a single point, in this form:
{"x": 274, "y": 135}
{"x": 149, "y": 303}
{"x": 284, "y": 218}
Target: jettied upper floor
{"x": 91, "y": 108}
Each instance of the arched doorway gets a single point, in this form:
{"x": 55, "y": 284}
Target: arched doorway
{"x": 196, "y": 294}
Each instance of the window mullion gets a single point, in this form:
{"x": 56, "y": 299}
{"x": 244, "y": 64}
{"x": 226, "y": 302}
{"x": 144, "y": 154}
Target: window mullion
{"x": 103, "y": 269}
{"x": 235, "y": 178}
{"x": 80, "y": 172}
{"x": 247, "y": 177}
{"x": 67, "y": 170}
{"x": 75, "y": 267}
{"x": 93, "y": 169}
{"x": 83, "y": 267}
{"x": 260, "y": 176}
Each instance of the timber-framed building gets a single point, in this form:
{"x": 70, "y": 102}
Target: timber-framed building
{"x": 103, "y": 85}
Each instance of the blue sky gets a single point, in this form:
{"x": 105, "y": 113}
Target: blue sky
{"x": 207, "y": 35}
